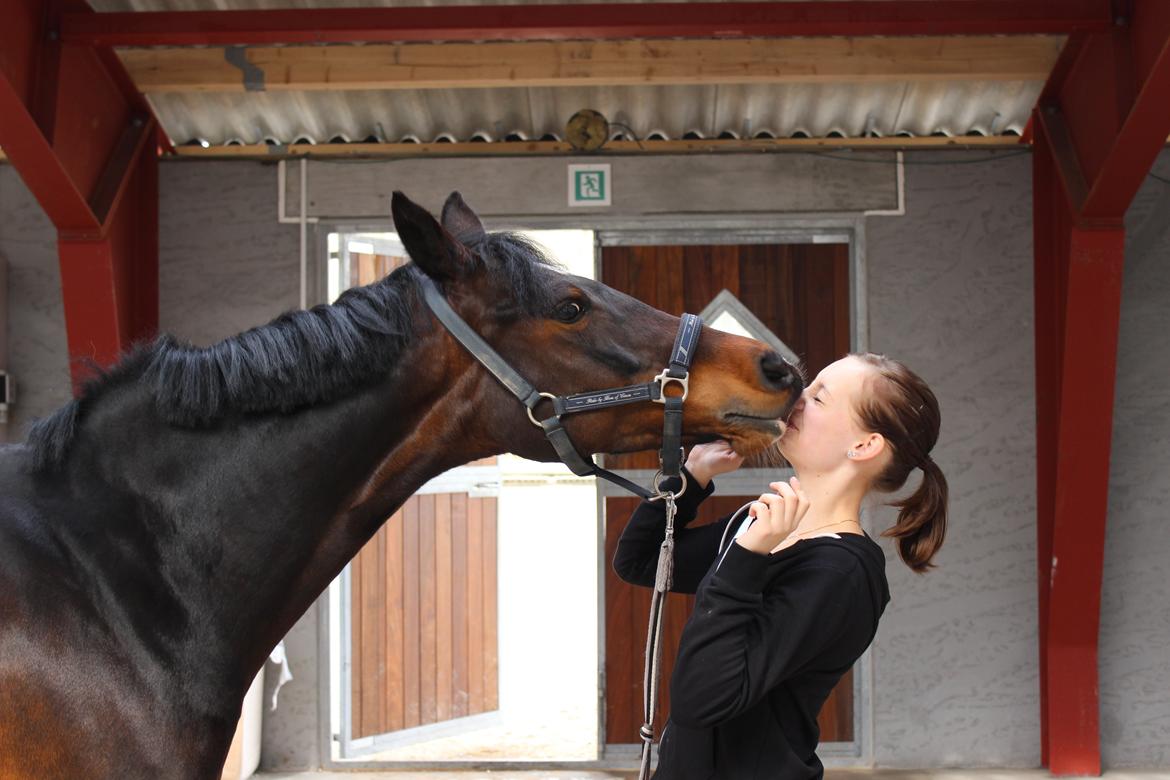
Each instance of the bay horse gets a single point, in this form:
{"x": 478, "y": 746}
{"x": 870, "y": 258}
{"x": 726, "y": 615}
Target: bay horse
{"x": 160, "y": 533}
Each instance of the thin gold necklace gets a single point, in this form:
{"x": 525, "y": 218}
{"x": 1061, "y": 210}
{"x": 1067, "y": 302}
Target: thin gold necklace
{"x": 819, "y": 527}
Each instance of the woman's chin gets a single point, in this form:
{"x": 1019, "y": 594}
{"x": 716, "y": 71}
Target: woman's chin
{"x": 786, "y": 452}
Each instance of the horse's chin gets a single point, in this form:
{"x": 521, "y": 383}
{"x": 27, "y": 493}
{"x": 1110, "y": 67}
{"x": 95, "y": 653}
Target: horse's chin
{"x": 756, "y": 439}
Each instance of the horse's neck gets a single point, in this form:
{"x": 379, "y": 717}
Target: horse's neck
{"x": 258, "y": 516}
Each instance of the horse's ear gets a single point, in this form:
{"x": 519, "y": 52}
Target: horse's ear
{"x": 460, "y": 221}
{"x": 429, "y": 245}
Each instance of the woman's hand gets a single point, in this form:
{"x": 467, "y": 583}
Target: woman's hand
{"x": 705, "y": 461}
{"x": 777, "y": 516}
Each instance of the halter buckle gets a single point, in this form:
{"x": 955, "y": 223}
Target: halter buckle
{"x": 662, "y": 380}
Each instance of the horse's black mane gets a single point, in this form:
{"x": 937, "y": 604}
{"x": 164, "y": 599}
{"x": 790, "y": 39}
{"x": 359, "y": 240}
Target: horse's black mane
{"x": 299, "y": 359}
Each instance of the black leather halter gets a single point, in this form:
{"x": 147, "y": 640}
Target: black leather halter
{"x": 670, "y": 456}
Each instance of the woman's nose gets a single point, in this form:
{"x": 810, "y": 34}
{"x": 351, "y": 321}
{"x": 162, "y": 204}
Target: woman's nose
{"x": 779, "y": 373}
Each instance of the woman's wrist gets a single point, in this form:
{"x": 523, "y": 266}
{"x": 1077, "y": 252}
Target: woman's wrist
{"x": 702, "y": 478}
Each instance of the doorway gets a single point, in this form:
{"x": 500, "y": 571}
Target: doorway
{"x": 459, "y": 639}
{"x": 794, "y": 296}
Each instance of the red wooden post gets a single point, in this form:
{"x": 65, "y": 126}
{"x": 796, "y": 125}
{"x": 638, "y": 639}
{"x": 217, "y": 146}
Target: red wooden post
{"x": 1100, "y": 122}
{"x": 1078, "y": 304}
{"x": 1050, "y": 221}
{"x": 1093, "y": 305}
{"x": 84, "y": 141}
{"x": 110, "y": 282}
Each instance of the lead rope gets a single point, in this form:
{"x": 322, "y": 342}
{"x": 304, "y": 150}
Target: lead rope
{"x": 662, "y": 582}
{"x": 663, "y": 579}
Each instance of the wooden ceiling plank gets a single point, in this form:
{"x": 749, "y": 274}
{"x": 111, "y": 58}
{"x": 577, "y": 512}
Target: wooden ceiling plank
{"x": 593, "y": 63}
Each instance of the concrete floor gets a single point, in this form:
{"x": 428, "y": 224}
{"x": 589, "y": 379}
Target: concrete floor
{"x": 832, "y": 774}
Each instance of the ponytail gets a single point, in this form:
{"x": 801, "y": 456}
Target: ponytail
{"x": 904, "y": 410}
{"x": 922, "y": 519}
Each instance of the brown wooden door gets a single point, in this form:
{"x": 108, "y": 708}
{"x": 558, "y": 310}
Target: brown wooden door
{"x": 801, "y": 293}
{"x": 423, "y": 612}
{"x": 423, "y": 628}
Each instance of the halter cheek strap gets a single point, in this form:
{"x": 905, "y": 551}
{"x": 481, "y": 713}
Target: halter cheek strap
{"x": 678, "y": 372}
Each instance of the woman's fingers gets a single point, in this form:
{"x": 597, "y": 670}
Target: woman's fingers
{"x": 802, "y": 497}
{"x": 777, "y": 515}
{"x": 778, "y": 523}
{"x": 712, "y": 458}
{"x": 791, "y": 504}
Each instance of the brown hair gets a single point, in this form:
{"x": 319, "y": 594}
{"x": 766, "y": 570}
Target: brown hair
{"x": 900, "y": 407}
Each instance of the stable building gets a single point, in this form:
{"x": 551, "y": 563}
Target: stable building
{"x": 978, "y": 188}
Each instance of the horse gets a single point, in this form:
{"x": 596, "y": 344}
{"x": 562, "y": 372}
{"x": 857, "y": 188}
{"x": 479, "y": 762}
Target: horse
{"x": 161, "y": 532}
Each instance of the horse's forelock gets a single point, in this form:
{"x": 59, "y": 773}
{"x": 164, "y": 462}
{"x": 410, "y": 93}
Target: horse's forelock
{"x": 520, "y": 265}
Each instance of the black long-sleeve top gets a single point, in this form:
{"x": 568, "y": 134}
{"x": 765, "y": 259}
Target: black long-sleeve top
{"x": 769, "y": 637}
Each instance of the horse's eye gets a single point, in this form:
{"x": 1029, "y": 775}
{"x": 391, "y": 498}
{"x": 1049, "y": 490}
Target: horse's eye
{"x": 569, "y": 311}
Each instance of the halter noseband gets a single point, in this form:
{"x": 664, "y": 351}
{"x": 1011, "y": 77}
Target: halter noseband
{"x": 670, "y": 456}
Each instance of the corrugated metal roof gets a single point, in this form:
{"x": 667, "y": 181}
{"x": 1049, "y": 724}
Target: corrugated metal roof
{"x": 669, "y": 112}
{"x": 914, "y": 108}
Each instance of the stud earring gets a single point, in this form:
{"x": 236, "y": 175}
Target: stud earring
{"x": 851, "y": 454}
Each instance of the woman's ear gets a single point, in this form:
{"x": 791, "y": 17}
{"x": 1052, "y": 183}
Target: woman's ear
{"x": 869, "y": 447}
{"x": 432, "y": 248}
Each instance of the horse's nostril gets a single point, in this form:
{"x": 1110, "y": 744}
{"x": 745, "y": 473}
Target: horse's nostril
{"x": 777, "y": 372}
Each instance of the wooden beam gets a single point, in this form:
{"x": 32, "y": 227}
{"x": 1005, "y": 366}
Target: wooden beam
{"x": 588, "y": 21}
{"x": 592, "y": 63}
{"x": 1105, "y": 104}
{"x": 536, "y": 148}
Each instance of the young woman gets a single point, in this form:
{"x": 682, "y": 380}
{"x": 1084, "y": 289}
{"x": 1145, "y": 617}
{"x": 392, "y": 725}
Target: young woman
{"x": 789, "y": 601}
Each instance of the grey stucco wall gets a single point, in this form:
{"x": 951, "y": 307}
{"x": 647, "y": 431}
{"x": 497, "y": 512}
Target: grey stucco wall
{"x": 955, "y": 678}
{"x": 38, "y": 357}
{"x": 225, "y": 262}
{"x": 1135, "y": 594}
{"x": 950, "y": 294}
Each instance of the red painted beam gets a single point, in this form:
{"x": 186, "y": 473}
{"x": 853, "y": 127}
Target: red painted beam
{"x": 1078, "y": 269}
{"x": 29, "y": 77}
{"x": 1051, "y": 223}
{"x": 1095, "y": 257}
{"x": 1144, "y": 127}
{"x": 588, "y": 21}
{"x": 32, "y": 155}
{"x": 110, "y": 283}
{"x": 84, "y": 141}
{"x": 66, "y": 110}
{"x": 1107, "y": 102}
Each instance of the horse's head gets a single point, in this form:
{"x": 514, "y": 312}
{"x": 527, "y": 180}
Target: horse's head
{"x": 566, "y": 334}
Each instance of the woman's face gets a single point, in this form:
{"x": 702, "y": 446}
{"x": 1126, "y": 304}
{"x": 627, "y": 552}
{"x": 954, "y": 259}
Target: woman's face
{"x": 823, "y": 426}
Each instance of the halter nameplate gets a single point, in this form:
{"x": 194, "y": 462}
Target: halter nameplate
{"x": 601, "y": 399}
